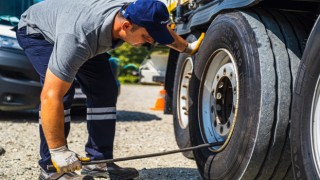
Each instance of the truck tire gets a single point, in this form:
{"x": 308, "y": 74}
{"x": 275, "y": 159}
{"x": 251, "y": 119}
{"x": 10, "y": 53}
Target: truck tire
{"x": 305, "y": 122}
{"x": 180, "y": 99}
{"x": 240, "y": 94}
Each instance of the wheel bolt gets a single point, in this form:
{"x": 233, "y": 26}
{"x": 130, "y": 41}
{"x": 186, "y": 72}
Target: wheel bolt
{"x": 218, "y": 107}
{"x": 219, "y": 96}
{"x": 220, "y": 84}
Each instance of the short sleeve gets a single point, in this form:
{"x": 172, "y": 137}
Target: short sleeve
{"x": 68, "y": 55}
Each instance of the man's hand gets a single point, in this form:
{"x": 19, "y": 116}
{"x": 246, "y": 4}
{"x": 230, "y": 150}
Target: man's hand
{"x": 193, "y": 47}
{"x": 65, "y": 160}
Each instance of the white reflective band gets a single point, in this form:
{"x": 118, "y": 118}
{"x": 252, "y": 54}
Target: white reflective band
{"x": 101, "y": 110}
{"x": 67, "y": 112}
{"x": 92, "y": 117}
{"x": 67, "y": 117}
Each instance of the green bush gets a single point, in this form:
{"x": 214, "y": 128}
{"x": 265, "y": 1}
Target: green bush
{"x": 129, "y": 79}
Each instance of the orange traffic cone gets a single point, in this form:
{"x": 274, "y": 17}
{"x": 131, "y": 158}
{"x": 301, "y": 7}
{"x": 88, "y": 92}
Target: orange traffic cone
{"x": 160, "y": 101}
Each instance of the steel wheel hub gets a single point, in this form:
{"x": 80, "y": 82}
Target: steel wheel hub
{"x": 183, "y": 93}
{"x": 219, "y": 101}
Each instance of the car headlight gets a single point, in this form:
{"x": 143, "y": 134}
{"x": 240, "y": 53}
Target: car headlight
{"x": 9, "y": 42}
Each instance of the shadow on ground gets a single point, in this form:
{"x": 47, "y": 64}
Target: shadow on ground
{"x": 20, "y": 116}
{"x": 136, "y": 116}
{"x": 169, "y": 173}
{"x": 78, "y": 115}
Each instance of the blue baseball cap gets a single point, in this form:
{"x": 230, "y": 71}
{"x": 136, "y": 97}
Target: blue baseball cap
{"x": 153, "y": 16}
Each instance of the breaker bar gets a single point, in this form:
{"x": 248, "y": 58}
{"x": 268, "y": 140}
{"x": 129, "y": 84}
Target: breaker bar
{"x": 52, "y": 168}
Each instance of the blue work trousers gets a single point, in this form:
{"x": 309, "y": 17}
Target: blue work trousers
{"x": 96, "y": 81}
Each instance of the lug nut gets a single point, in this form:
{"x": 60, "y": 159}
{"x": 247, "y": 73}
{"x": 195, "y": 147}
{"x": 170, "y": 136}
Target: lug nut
{"x": 218, "y": 107}
{"x": 220, "y": 84}
{"x": 219, "y": 96}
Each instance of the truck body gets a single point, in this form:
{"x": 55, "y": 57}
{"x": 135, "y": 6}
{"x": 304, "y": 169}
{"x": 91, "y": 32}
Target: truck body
{"x": 251, "y": 86}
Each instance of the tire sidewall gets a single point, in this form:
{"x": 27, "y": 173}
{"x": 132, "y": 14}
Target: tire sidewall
{"x": 301, "y": 143}
{"x": 232, "y": 32}
{"x": 181, "y": 133}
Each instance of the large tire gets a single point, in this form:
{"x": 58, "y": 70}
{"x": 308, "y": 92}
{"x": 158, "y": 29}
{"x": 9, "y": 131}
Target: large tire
{"x": 180, "y": 99}
{"x": 240, "y": 93}
{"x": 305, "y": 126}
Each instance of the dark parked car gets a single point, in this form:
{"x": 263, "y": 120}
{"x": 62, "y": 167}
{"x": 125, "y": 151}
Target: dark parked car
{"x": 19, "y": 83}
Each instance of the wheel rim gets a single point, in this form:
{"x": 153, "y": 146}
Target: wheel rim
{"x": 183, "y": 95}
{"x": 219, "y": 99}
{"x": 315, "y": 127}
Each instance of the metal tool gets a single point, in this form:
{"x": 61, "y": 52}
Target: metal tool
{"x": 52, "y": 168}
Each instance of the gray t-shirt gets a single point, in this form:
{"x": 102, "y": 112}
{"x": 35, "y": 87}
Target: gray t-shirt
{"x": 78, "y": 29}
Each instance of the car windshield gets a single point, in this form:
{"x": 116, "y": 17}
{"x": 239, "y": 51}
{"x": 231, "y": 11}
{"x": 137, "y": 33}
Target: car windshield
{"x": 11, "y": 10}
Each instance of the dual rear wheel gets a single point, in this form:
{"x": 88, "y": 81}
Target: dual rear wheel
{"x": 240, "y": 93}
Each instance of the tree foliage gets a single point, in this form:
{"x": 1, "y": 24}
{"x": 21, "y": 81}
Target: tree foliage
{"x": 130, "y": 54}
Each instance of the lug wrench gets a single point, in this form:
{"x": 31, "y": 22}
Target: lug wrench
{"x": 88, "y": 162}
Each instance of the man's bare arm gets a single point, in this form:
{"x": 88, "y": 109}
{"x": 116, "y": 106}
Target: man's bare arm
{"x": 182, "y": 45}
{"x": 52, "y": 111}
{"x": 179, "y": 43}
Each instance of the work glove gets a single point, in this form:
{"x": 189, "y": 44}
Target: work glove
{"x": 65, "y": 160}
{"x": 193, "y": 47}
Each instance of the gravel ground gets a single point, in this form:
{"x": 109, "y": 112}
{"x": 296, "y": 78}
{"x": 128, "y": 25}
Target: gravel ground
{"x": 139, "y": 131}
